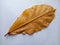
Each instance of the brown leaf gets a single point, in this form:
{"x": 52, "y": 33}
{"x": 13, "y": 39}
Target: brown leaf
{"x": 33, "y": 20}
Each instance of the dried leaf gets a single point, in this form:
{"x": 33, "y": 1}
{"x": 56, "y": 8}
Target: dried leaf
{"x": 33, "y": 20}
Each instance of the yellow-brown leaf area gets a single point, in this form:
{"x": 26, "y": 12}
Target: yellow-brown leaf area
{"x": 33, "y": 19}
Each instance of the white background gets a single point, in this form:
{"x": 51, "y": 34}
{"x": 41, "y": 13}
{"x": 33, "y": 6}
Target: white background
{"x": 11, "y": 9}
